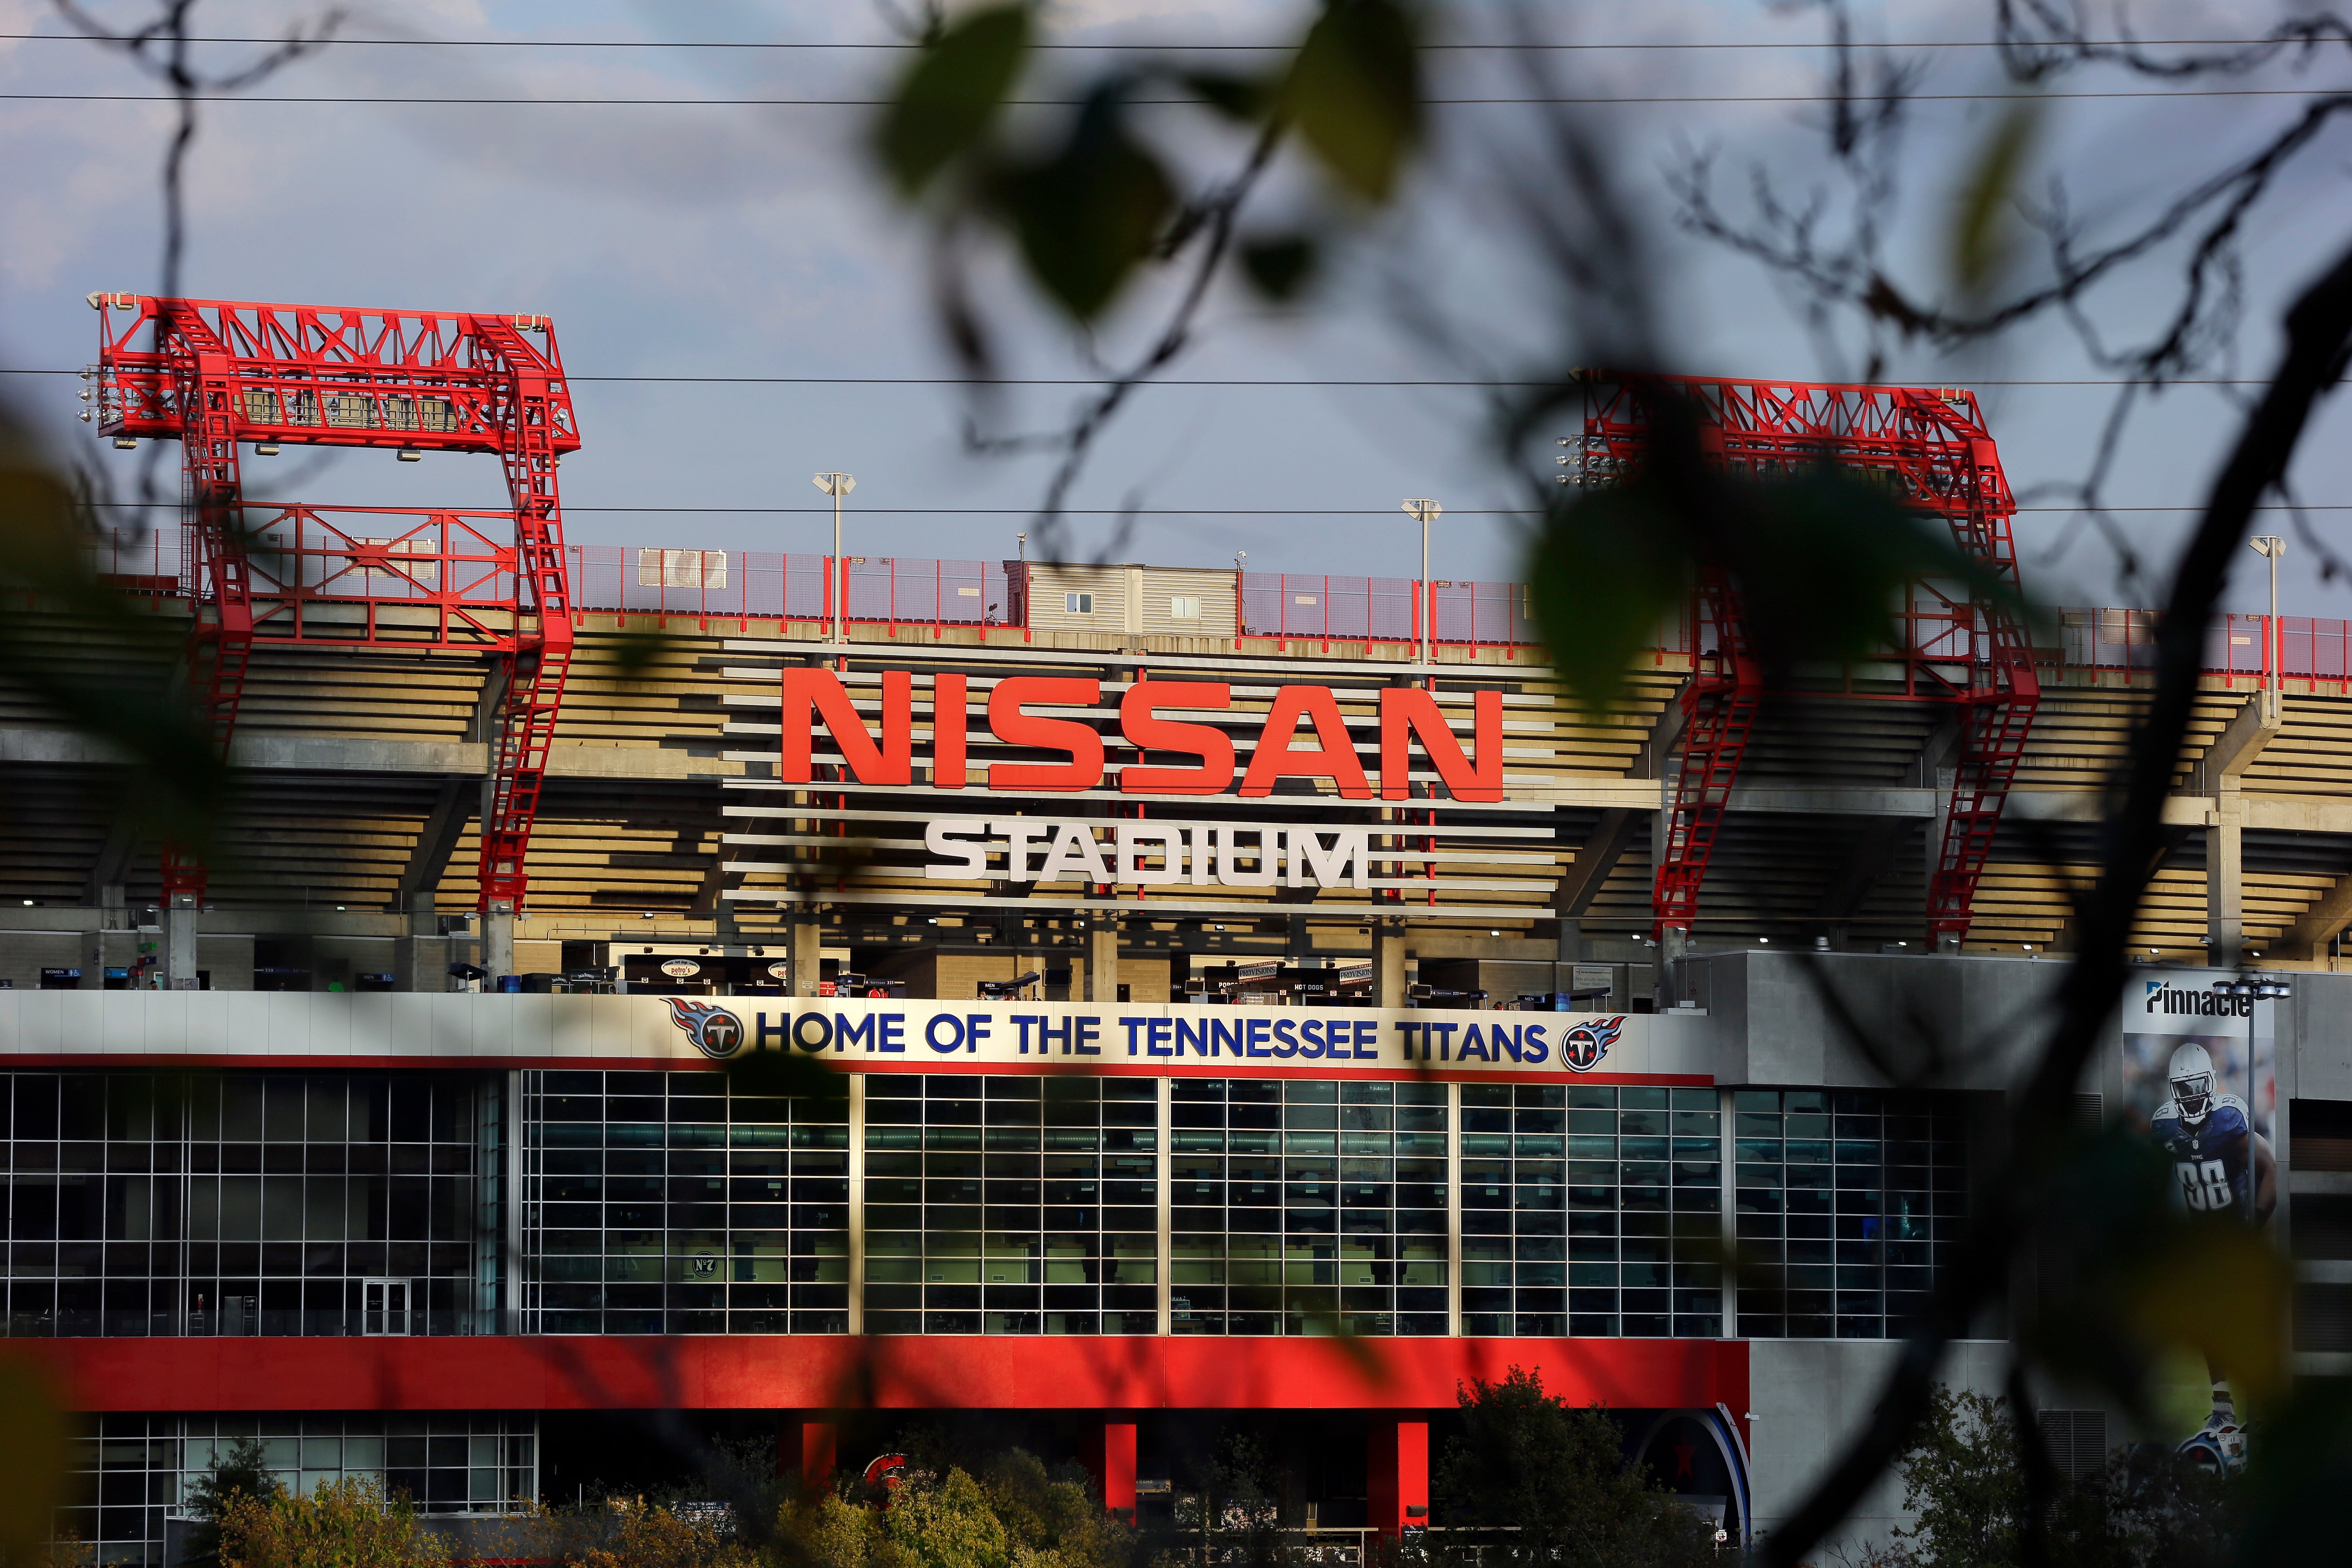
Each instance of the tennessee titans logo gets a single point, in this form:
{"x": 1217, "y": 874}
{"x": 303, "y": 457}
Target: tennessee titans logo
{"x": 714, "y": 1030}
{"x": 1586, "y": 1044}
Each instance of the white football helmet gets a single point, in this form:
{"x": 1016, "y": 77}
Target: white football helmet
{"x": 2191, "y": 1073}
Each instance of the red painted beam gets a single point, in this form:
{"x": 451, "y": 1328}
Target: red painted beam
{"x": 821, "y": 1372}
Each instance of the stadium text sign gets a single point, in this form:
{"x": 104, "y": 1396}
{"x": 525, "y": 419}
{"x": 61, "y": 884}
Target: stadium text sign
{"x": 1149, "y": 854}
{"x": 1409, "y": 717}
{"x": 1176, "y": 1038}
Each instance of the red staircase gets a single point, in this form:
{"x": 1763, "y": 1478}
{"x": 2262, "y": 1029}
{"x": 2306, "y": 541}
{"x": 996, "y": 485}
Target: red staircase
{"x": 1934, "y": 448}
{"x": 212, "y": 372}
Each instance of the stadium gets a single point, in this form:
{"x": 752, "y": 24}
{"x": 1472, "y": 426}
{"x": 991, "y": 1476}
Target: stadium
{"x": 1299, "y": 1006}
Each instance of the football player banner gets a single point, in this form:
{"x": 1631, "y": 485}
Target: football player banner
{"x": 1183, "y": 1038}
{"x": 2198, "y": 1077}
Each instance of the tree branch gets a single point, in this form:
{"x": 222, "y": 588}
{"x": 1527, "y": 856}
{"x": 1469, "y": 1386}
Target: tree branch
{"x": 2318, "y": 339}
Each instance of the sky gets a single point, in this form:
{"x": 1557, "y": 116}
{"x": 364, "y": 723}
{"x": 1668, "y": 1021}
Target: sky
{"x": 724, "y": 240}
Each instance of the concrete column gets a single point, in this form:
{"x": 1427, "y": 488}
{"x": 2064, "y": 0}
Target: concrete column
{"x": 1113, "y": 1462}
{"x": 420, "y": 954}
{"x": 497, "y": 941}
{"x": 179, "y": 943}
{"x": 1388, "y": 960}
{"x": 805, "y": 1450}
{"x": 1102, "y": 959}
{"x": 2225, "y": 901}
{"x": 804, "y": 942}
{"x": 1396, "y": 1473}
{"x": 1673, "y": 942}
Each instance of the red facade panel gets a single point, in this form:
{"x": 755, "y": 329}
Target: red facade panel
{"x": 792, "y": 1372}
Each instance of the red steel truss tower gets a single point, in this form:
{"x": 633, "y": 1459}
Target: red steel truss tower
{"x": 1934, "y": 448}
{"x": 212, "y": 372}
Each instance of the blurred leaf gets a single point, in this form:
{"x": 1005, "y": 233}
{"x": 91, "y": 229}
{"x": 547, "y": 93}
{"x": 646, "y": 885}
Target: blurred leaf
{"x": 1242, "y": 97}
{"x": 793, "y": 1075}
{"x": 952, "y": 94}
{"x": 1354, "y": 92}
{"x": 1607, "y": 573}
{"x": 1280, "y": 268}
{"x": 2299, "y": 1474}
{"x": 2220, "y": 1289}
{"x": 1823, "y": 559}
{"x": 636, "y": 653}
{"x": 1820, "y": 560}
{"x": 1087, "y": 214}
{"x": 1984, "y": 231}
{"x": 33, "y": 1442}
{"x": 127, "y": 700}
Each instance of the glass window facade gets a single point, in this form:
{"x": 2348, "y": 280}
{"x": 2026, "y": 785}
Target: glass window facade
{"x": 1299, "y": 1205}
{"x": 1644, "y": 1191}
{"x": 1008, "y": 1205}
{"x": 1856, "y": 1195}
{"x": 661, "y": 1203}
{"x": 138, "y": 1468}
{"x": 251, "y": 1203}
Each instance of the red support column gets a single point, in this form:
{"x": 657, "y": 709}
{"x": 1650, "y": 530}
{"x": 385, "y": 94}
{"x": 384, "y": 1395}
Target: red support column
{"x": 1114, "y": 1465}
{"x": 1397, "y": 1473}
{"x": 805, "y": 1447}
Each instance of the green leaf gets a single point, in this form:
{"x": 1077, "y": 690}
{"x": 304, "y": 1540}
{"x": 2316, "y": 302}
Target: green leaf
{"x": 1819, "y": 562}
{"x": 1354, "y": 93}
{"x": 1608, "y": 569}
{"x": 952, "y": 95}
{"x": 1087, "y": 214}
{"x": 1280, "y": 268}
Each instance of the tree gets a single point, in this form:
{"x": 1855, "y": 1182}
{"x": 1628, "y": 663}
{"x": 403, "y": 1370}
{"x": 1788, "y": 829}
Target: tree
{"x": 947, "y": 1523}
{"x": 644, "y": 1535}
{"x": 1965, "y": 1476}
{"x": 1529, "y": 1461}
{"x": 345, "y": 1523}
{"x": 241, "y": 1472}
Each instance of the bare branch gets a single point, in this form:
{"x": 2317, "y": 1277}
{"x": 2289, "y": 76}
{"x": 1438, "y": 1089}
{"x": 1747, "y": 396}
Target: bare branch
{"x": 1210, "y": 220}
{"x": 160, "y": 49}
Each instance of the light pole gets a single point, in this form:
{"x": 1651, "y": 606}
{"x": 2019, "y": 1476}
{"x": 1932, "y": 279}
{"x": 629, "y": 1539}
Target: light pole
{"x": 836, "y": 486}
{"x": 2251, "y": 987}
{"x": 2272, "y": 546}
{"x": 1426, "y": 511}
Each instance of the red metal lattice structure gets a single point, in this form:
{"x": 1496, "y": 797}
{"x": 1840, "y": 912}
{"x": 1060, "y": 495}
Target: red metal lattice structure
{"x": 212, "y": 372}
{"x": 1933, "y": 446}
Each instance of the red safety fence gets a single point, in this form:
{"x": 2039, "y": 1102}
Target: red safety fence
{"x": 1311, "y": 607}
{"x": 322, "y": 554}
{"x": 2298, "y": 646}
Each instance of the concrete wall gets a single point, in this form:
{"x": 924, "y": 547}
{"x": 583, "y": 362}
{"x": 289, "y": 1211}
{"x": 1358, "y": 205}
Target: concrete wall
{"x": 1807, "y": 1396}
{"x": 1978, "y": 1018}
{"x": 2319, "y": 1020}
